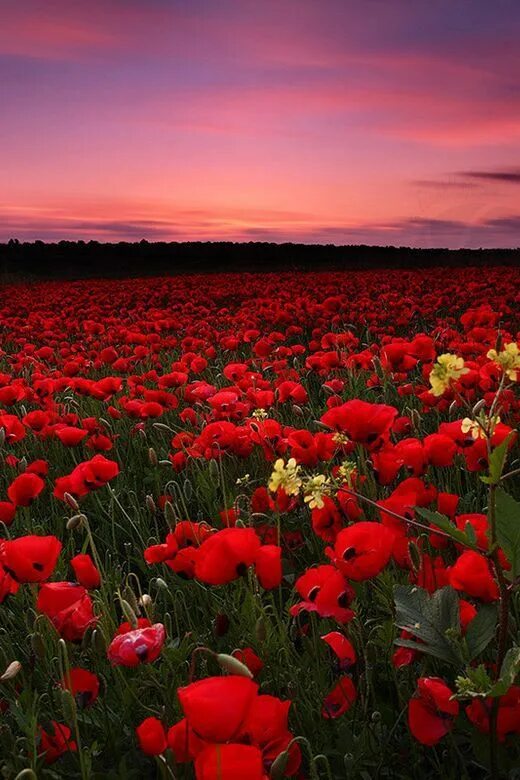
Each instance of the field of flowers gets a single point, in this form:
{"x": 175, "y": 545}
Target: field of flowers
{"x": 261, "y": 526}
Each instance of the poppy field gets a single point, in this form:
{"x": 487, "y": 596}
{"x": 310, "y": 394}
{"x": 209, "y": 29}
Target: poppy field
{"x": 261, "y": 526}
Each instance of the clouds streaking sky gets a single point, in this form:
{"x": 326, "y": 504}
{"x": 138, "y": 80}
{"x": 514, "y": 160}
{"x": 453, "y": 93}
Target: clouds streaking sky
{"x": 381, "y": 122}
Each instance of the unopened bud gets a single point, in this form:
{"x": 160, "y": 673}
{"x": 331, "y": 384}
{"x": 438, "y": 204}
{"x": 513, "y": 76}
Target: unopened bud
{"x": 152, "y": 456}
{"x": 26, "y": 774}
{"x": 129, "y": 613}
{"x": 169, "y": 514}
{"x": 22, "y": 464}
{"x": 261, "y": 629}
{"x": 11, "y": 671}
{"x": 98, "y": 642}
{"x": 71, "y": 501}
{"x": 279, "y": 766}
{"x": 37, "y": 645}
{"x": 161, "y": 583}
{"x": 76, "y": 521}
{"x": 162, "y": 427}
{"x": 188, "y": 490}
{"x": 233, "y": 665}
{"x": 69, "y": 705}
{"x": 150, "y": 504}
{"x": 146, "y": 601}
{"x": 478, "y": 406}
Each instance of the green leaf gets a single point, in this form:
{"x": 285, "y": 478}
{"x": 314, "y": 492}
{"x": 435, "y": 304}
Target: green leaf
{"x": 508, "y": 672}
{"x": 496, "y": 462}
{"x": 508, "y": 528}
{"x": 445, "y": 524}
{"x": 481, "y": 630}
{"x": 434, "y": 620}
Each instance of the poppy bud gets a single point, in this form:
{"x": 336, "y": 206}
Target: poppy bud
{"x": 279, "y": 766}
{"x": 152, "y": 457}
{"x": 187, "y": 490}
{"x": 70, "y": 500}
{"x": 169, "y": 514}
{"x": 150, "y": 504}
{"x": 415, "y": 556}
{"x": 11, "y": 671}
{"x": 129, "y": 595}
{"x": 162, "y": 427}
{"x": 37, "y": 645}
{"x": 129, "y": 613}
{"x": 478, "y": 406}
{"x": 146, "y": 601}
{"x": 75, "y": 521}
{"x": 233, "y": 665}
{"x": 69, "y": 705}
{"x": 26, "y": 774}
{"x": 261, "y": 629}
{"x": 98, "y": 642}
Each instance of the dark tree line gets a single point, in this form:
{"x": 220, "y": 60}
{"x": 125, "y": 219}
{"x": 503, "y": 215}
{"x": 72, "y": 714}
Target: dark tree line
{"x": 84, "y": 259}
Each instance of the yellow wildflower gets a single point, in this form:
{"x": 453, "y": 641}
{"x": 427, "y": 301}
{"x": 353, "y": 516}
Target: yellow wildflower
{"x": 482, "y": 428}
{"x": 286, "y": 476}
{"x": 508, "y": 360}
{"x": 315, "y": 488}
{"x": 448, "y": 368}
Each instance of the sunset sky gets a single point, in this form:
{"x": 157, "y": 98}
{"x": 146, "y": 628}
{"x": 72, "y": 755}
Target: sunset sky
{"x": 367, "y": 121}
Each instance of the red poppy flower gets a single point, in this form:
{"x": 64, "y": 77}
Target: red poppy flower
{"x": 69, "y": 608}
{"x": 151, "y": 737}
{"x": 342, "y": 648}
{"x": 508, "y": 717}
{"x": 25, "y": 488}
{"x": 325, "y": 590}
{"x": 83, "y": 685}
{"x": 249, "y": 658}
{"x": 139, "y": 646}
{"x": 30, "y": 558}
{"x": 363, "y": 422}
{"x": 7, "y": 512}
{"x": 340, "y": 699}
{"x": 71, "y": 436}
{"x": 268, "y": 566}
{"x": 55, "y": 742}
{"x": 471, "y": 573}
{"x": 226, "y": 555}
{"x": 216, "y": 707}
{"x": 86, "y": 571}
{"x": 431, "y": 714}
{"x": 8, "y": 585}
{"x": 229, "y": 762}
{"x": 362, "y": 550}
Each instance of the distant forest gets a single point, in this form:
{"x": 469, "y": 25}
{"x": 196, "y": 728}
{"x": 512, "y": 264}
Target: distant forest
{"x": 90, "y": 259}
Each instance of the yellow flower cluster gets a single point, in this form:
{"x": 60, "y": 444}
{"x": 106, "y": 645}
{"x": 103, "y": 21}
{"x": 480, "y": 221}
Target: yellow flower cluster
{"x": 508, "y": 359}
{"x": 315, "y": 488}
{"x": 480, "y": 429}
{"x": 286, "y": 476}
{"x": 447, "y": 369}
